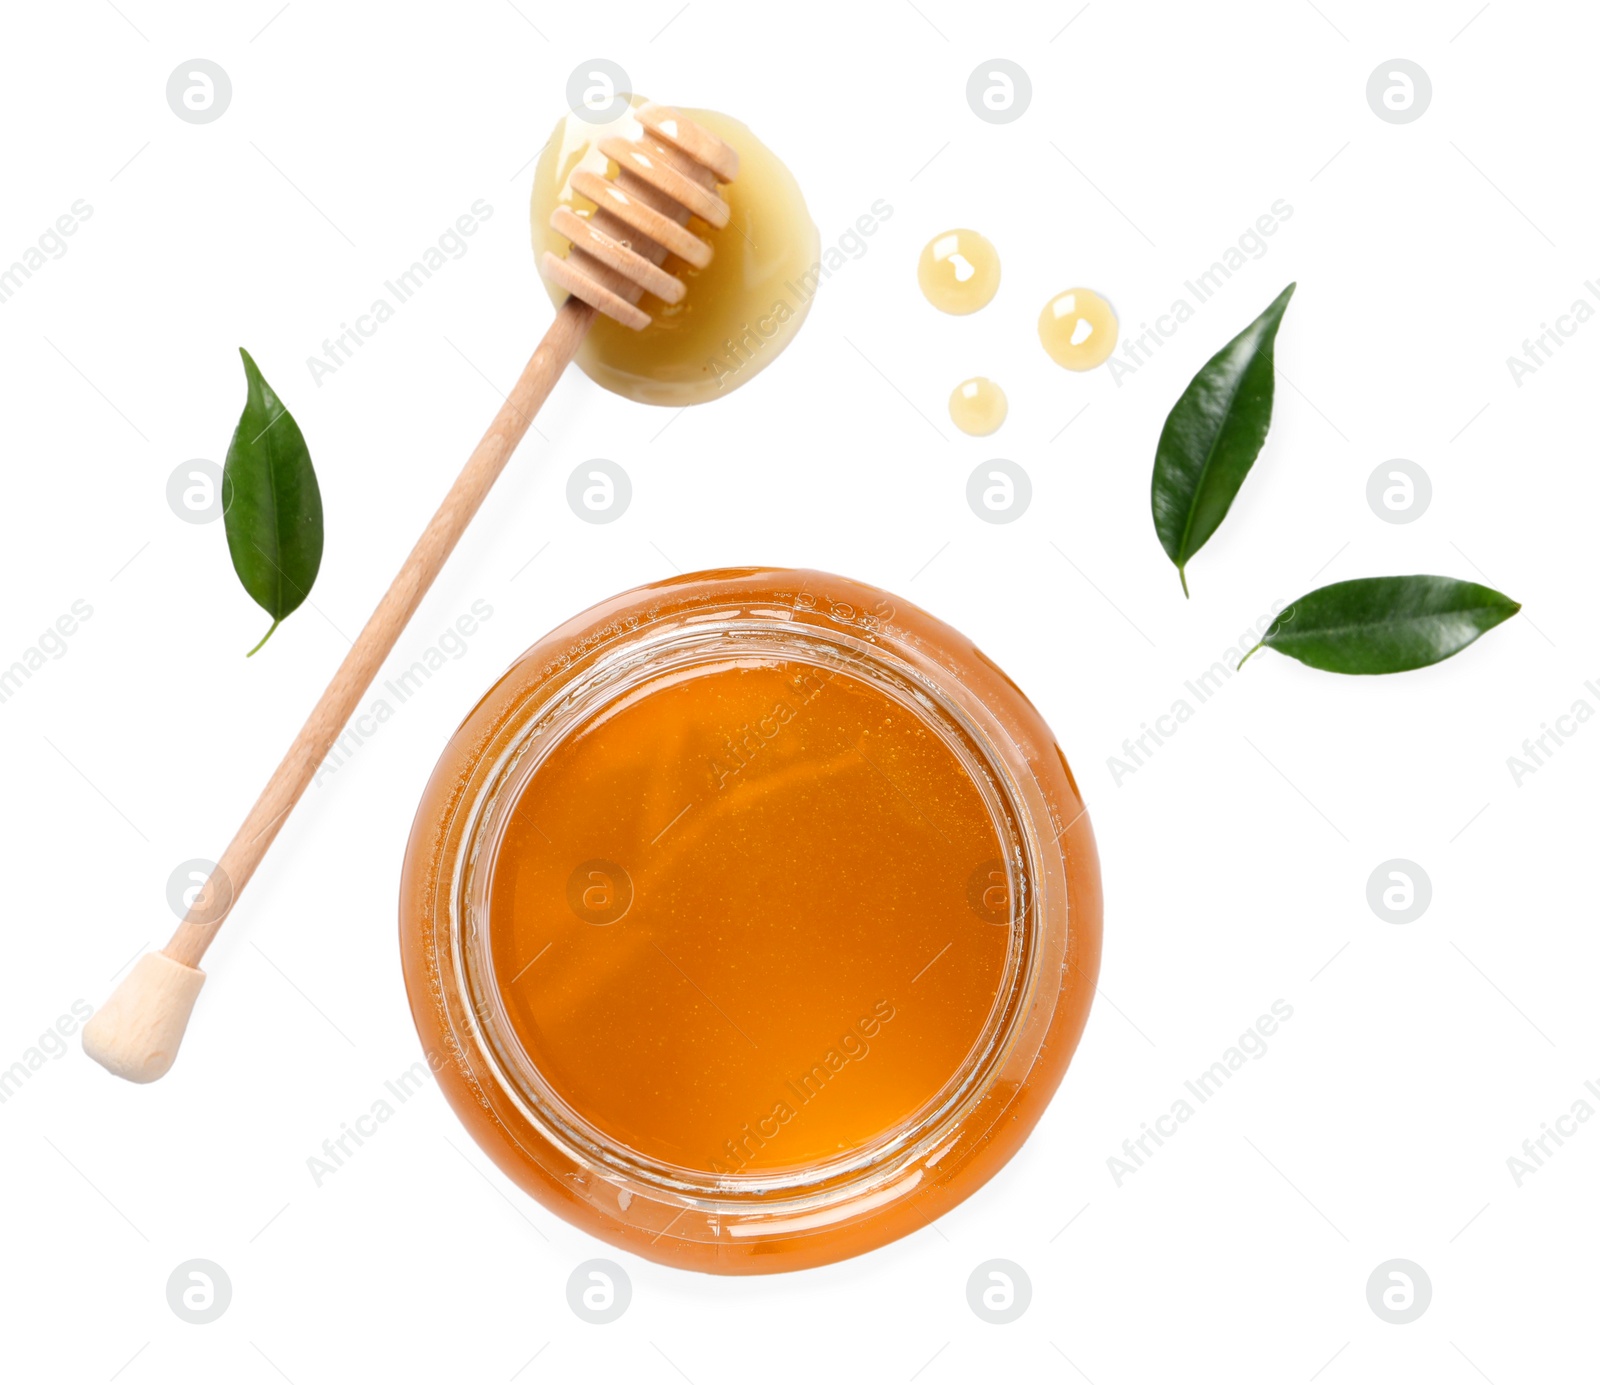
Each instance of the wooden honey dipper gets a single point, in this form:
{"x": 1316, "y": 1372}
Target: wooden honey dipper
{"x": 666, "y": 176}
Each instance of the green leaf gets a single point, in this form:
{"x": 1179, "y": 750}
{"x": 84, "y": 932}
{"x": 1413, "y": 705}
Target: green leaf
{"x": 1212, "y": 438}
{"x": 272, "y": 508}
{"x": 1385, "y": 624}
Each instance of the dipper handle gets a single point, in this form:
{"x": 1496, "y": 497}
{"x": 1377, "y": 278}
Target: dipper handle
{"x": 642, "y": 209}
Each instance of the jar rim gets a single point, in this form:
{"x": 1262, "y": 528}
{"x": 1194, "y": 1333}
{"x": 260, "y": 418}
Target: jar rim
{"x": 543, "y": 728}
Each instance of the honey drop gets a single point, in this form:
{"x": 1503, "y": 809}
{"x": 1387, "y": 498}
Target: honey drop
{"x": 1078, "y": 329}
{"x": 977, "y": 406}
{"x": 958, "y": 272}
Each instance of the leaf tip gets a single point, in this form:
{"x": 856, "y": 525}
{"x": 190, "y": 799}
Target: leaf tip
{"x": 252, "y": 372}
{"x": 1183, "y": 582}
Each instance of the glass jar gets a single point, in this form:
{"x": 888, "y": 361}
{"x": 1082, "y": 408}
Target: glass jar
{"x": 829, "y": 998}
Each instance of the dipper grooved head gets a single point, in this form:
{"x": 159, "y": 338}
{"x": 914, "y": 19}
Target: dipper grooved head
{"x": 664, "y": 177}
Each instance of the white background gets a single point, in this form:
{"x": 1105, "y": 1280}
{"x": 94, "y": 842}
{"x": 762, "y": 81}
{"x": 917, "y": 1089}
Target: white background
{"x": 1419, "y": 1057}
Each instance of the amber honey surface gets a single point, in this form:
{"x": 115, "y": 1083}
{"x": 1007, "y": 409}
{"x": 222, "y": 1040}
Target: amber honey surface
{"x": 731, "y": 916}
